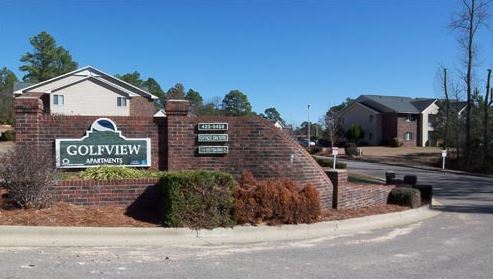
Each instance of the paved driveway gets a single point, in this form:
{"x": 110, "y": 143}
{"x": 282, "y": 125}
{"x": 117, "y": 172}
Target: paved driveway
{"x": 456, "y": 244}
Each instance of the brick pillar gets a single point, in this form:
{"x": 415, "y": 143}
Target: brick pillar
{"x": 178, "y": 130}
{"x": 339, "y": 180}
{"x": 28, "y": 111}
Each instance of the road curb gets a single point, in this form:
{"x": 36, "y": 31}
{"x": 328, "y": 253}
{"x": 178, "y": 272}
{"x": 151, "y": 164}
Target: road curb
{"x": 24, "y": 236}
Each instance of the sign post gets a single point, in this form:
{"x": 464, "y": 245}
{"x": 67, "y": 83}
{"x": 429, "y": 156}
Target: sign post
{"x": 335, "y": 152}
{"x": 444, "y": 155}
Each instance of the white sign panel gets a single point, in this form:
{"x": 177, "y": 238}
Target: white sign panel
{"x": 444, "y": 153}
{"x": 335, "y": 151}
{"x": 212, "y": 127}
{"x": 213, "y": 150}
{"x": 212, "y": 137}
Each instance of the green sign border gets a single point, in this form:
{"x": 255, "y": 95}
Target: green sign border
{"x": 88, "y": 133}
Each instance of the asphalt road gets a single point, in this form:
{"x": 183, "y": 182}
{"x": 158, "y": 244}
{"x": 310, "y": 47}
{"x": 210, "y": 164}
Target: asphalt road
{"x": 456, "y": 244}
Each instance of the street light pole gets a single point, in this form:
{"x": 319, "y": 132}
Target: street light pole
{"x": 309, "y": 124}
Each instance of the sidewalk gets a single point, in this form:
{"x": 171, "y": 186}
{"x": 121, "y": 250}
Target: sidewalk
{"x": 25, "y": 236}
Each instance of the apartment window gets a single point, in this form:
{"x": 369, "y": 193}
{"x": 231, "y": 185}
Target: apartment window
{"x": 121, "y": 102}
{"x": 431, "y": 119}
{"x": 371, "y": 118}
{"x": 409, "y": 117}
{"x": 408, "y": 136}
{"x": 58, "y": 100}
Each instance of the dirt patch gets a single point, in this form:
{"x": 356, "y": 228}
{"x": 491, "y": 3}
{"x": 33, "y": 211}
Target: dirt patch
{"x": 6, "y": 146}
{"x": 405, "y": 156}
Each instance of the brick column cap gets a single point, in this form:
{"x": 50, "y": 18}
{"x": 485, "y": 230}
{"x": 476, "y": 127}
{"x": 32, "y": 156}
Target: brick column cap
{"x": 28, "y": 104}
{"x": 177, "y": 107}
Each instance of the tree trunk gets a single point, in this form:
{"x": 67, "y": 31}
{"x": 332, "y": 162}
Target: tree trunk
{"x": 447, "y": 110}
{"x": 486, "y": 119}
{"x": 470, "y": 40}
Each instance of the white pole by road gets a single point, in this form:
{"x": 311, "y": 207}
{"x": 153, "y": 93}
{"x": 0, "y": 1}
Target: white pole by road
{"x": 335, "y": 152}
{"x": 444, "y": 155}
{"x": 309, "y": 127}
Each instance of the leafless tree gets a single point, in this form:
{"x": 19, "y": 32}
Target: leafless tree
{"x": 467, "y": 22}
{"x": 333, "y": 126}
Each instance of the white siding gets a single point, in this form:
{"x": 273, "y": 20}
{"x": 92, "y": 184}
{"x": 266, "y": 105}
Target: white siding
{"x": 55, "y": 84}
{"x": 432, "y": 109}
{"x": 88, "y": 98}
{"x": 359, "y": 114}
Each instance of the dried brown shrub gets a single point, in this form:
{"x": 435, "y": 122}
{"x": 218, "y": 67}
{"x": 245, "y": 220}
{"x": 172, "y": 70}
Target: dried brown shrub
{"x": 275, "y": 202}
{"x": 28, "y": 174}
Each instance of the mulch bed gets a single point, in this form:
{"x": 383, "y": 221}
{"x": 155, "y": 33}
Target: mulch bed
{"x": 341, "y": 214}
{"x": 63, "y": 214}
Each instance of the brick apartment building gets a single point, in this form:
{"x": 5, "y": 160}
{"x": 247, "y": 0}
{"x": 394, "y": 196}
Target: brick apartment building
{"x": 386, "y": 117}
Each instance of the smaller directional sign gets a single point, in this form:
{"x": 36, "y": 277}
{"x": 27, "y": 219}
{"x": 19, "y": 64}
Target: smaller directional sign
{"x": 213, "y": 126}
{"x": 213, "y": 150}
{"x": 212, "y": 138}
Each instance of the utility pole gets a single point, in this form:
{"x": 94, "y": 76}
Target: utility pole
{"x": 309, "y": 124}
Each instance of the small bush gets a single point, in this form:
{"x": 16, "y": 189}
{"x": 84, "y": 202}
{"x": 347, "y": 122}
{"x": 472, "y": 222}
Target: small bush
{"x": 405, "y": 197}
{"x": 275, "y": 202}
{"x": 198, "y": 199}
{"x": 396, "y": 142}
{"x": 329, "y": 163}
{"x": 8, "y": 135}
{"x": 426, "y": 192}
{"x": 28, "y": 174}
{"x": 351, "y": 149}
{"x": 116, "y": 172}
{"x": 355, "y": 132}
{"x": 315, "y": 149}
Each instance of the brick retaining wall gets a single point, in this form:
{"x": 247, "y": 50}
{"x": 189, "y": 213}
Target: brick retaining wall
{"x": 122, "y": 192}
{"x": 350, "y": 196}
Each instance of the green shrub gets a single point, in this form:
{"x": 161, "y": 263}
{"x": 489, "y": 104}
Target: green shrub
{"x": 275, "y": 202}
{"x": 396, "y": 142}
{"x": 116, "y": 172}
{"x": 197, "y": 199}
{"x": 355, "y": 132}
{"x": 329, "y": 163}
{"x": 8, "y": 135}
{"x": 426, "y": 192}
{"x": 405, "y": 197}
{"x": 351, "y": 149}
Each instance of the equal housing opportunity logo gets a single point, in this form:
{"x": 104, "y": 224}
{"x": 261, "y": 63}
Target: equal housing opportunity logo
{"x": 103, "y": 144}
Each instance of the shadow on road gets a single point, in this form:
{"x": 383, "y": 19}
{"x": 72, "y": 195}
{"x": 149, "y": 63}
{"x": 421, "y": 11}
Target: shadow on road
{"x": 464, "y": 209}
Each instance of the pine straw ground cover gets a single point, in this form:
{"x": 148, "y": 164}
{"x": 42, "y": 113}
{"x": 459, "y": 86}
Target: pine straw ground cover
{"x": 63, "y": 214}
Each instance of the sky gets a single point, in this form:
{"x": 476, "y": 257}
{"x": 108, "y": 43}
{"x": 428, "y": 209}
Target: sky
{"x": 281, "y": 53}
